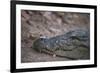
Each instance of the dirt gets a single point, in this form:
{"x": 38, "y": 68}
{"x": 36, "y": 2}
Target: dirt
{"x": 36, "y": 24}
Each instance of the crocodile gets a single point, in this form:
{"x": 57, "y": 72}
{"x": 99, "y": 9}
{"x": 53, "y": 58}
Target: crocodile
{"x": 74, "y": 44}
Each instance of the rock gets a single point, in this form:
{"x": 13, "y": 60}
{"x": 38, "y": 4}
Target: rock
{"x": 65, "y": 43}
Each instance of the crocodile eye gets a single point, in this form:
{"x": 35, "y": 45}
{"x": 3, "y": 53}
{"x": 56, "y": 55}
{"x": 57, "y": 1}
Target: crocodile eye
{"x": 41, "y": 38}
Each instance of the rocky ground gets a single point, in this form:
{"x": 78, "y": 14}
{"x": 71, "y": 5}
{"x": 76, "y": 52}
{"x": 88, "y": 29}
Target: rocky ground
{"x": 35, "y": 24}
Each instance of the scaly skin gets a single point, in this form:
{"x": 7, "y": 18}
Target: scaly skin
{"x": 63, "y": 43}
